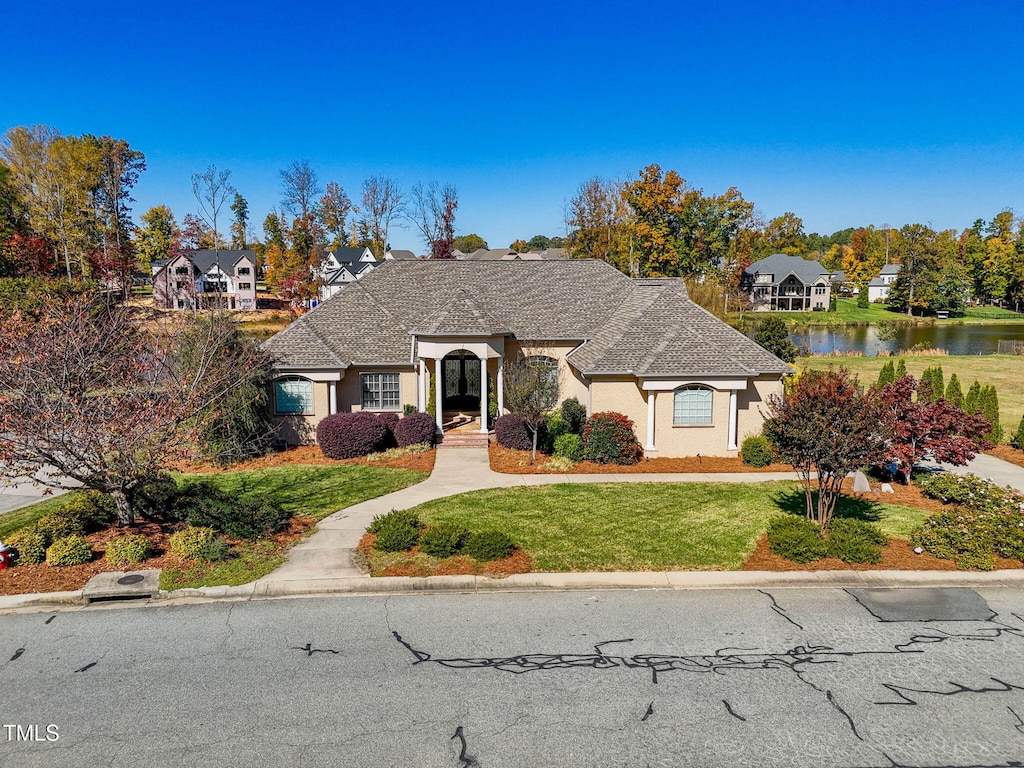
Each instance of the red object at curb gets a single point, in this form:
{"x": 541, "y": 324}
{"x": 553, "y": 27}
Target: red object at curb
{"x": 5, "y": 556}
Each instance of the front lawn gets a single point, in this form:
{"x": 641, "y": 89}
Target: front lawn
{"x": 642, "y": 526}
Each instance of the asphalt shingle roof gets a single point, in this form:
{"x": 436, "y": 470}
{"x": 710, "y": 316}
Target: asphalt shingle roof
{"x": 646, "y": 327}
{"x": 226, "y": 258}
{"x": 780, "y": 265}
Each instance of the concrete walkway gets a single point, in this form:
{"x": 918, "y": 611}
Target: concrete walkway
{"x": 327, "y": 554}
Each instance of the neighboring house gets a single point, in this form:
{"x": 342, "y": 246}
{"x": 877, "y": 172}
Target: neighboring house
{"x": 507, "y": 254}
{"x": 690, "y": 383}
{"x": 790, "y": 283}
{"x": 206, "y": 279}
{"x": 343, "y": 266}
{"x": 400, "y": 255}
{"x": 878, "y": 288}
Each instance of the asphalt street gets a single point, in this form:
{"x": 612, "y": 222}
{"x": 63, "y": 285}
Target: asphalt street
{"x": 790, "y": 677}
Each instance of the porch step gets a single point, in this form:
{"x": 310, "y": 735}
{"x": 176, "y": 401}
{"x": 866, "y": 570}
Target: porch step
{"x": 465, "y": 440}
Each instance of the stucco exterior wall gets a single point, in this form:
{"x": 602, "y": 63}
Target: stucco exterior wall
{"x": 350, "y": 392}
{"x": 300, "y": 429}
{"x": 570, "y": 383}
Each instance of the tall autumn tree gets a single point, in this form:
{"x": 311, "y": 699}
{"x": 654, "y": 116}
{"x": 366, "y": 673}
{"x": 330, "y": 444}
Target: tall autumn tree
{"x": 826, "y": 428}
{"x": 383, "y": 204}
{"x": 598, "y": 222}
{"x": 155, "y": 238}
{"x": 92, "y": 397}
{"x": 433, "y": 214}
{"x": 332, "y": 212}
{"x": 656, "y": 200}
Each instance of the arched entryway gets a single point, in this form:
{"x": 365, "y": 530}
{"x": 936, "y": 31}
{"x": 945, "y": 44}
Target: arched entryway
{"x": 462, "y": 379}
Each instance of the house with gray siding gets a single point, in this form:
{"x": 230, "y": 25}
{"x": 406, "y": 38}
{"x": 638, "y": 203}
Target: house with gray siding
{"x": 787, "y": 283}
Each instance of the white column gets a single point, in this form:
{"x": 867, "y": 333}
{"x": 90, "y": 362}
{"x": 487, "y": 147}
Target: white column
{"x": 438, "y": 392}
{"x": 421, "y": 386}
{"x": 332, "y": 393}
{"x": 483, "y": 395}
{"x": 732, "y": 420}
{"x": 501, "y": 385}
{"x": 650, "y": 419}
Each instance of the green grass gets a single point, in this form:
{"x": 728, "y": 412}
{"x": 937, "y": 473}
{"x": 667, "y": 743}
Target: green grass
{"x": 848, "y": 313}
{"x": 1005, "y": 372}
{"x": 313, "y": 491}
{"x": 642, "y": 526}
{"x": 26, "y": 516}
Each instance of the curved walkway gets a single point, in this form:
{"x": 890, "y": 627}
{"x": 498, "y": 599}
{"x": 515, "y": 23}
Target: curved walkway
{"x": 327, "y": 554}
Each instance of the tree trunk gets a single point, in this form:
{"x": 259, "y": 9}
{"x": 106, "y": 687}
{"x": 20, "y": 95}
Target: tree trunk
{"x": 536, "y": 431}
{"x": 125, "y": 512}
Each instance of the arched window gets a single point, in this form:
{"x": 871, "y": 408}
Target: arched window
{"x": 293, "y": 395}
{"x": 549, "y": 367}
{"x": 691, "y": 406}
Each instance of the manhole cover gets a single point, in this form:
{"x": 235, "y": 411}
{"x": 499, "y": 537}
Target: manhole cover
{"x": 134, "y": 578}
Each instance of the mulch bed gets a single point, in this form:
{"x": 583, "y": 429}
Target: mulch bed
{"x": 1007, "y": 453}
{"x": 34, "y": 578}
{"x": 460, "y": 565}
{"x": 512, "y": 462}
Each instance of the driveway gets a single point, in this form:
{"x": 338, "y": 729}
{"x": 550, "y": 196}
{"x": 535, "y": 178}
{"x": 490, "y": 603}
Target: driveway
{"x": 988, "y": 467}
{"x": 23, "y": 491}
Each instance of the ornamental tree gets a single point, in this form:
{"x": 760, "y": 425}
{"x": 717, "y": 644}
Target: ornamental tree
{"x": 531, "y": 390}
{"x": 90, "y": 395}
{"x": 826, "y": 425}
{"x": 921, "y": 428}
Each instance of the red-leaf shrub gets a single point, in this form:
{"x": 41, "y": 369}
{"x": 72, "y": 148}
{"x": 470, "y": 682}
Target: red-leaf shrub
{"x": 511, "y": 432}
{"x": 415, "y": 429}
{"x": 608, "y": 438}
{"x": 348, "y": 435}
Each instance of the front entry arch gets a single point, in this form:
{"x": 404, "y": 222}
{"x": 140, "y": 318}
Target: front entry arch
{"x": 462, "y": 380}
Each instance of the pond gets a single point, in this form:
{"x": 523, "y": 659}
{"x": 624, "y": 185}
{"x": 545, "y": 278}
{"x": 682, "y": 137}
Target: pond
{"x": 955, "y": 338}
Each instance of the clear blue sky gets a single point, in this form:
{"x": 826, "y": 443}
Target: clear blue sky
{"x": 875, "y": 112}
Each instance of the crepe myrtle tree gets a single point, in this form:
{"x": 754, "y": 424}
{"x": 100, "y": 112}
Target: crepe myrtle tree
{"x": 531, "y": 390}
{"x": 825, "y": 425}
{"x": 91, "y": 395}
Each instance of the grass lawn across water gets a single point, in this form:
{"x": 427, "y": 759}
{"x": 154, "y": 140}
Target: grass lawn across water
{"x": 642, "y": 526}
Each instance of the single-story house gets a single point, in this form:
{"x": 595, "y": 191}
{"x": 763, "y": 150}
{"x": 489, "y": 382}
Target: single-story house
{"x": 206, "y": 279}
{"x": 782, "y": 282}
{"x": 878, "y": 288}
{"x": 691, "y": 383}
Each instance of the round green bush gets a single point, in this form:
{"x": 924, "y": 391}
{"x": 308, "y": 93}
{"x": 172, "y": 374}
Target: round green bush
{"x": 61, "y": 524}
{"x": 29, "y": 546}
{"x": 130, "y": 548}
{"x": 488, "y": 545}
{"x": 756, "y": 451}
{"x": 397, "y": 531}
{"x": 959, "y": 534}
{"x": 569, "y": 446}
{"x": 554, "y": 427}
{"x": 443, "y": 540}
{"x": 574, "y": 413}
{"x": 796, "y": 539}
{"x": 70, "y": 550}
{"x": 855, "y": 541}
{"x": 198, "y": 543}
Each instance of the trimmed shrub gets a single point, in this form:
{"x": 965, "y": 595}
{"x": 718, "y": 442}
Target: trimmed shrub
{"x": 569, "y": 446}
{"x": 198, "y": 543}
{"x": 241, "y": 518}
{"x": 511, "y": 432}
{"x": 574, "y": 413}
{"x": 1008, "y": 534}
{"x": 855, "y": 541}
{"x": 29, "y": 546}
{"x": 396, "y": 533}
{"x": 796, "y": 539}
{"x": 1018, "y": 436}
{"x": 349, "y": 435}
{"x": 395, "y": 517}
{"x": 488, "y": 545}
{"x": 443, "y": 540}
{"x": 60, "y": 525}
{"x": 70, "y": 550}
{"x": 130, "y": 548}
{"x": 415, "y": 429}
{"x": 608, "y": 438}
{"x": 96, "y": 510}
{"x": 959, "y": 535}
{"x": 554, "y": 427}
{"x": 756, "y": 451}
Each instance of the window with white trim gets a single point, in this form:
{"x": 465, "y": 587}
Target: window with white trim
{"x": 293, "y": 395}
{"x": 380, "y": 391}
{"x": 691, "y": 406}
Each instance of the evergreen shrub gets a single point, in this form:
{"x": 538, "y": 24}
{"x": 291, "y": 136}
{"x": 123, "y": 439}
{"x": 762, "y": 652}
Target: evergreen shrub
{"x": 350, "y": 435}
{"x": 608, "y": 438}
{"x": 70, "y": 550}
{"x": 416, "y": 429}
{"x": 796, "y": 538}
{"x": 489, "y": 545}
{"x": 511, "y": 432}
{"x": 129, "y": 548}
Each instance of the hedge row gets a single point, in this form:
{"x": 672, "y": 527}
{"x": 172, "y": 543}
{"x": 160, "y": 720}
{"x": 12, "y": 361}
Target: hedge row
{"x": 350, "y": 435}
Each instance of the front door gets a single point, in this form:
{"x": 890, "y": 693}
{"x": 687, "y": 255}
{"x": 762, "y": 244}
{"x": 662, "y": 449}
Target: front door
{"x": 461, "y": 382}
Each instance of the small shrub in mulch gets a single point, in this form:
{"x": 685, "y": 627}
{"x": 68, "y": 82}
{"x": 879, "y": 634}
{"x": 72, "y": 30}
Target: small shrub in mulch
{"x": 489, "y": 545}
{"x": 855, "y": 541}
{"x": 130, "y": 548}
{"x": 397, "y": 531}
{"x": 29, "y": 546}
{"x": 569, "y": 446}
{"x": 443, "y": 540}
{"x": 197, "y": 543}
{"x": 70, "y": 550}
{"x": 756, "y": 451}
{"x": 61, "y": 524}
{"x": 796, "y": 539}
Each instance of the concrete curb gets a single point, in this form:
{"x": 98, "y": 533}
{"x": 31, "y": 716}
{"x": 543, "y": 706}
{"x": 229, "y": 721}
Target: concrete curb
{"x": 542, "y": 582}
